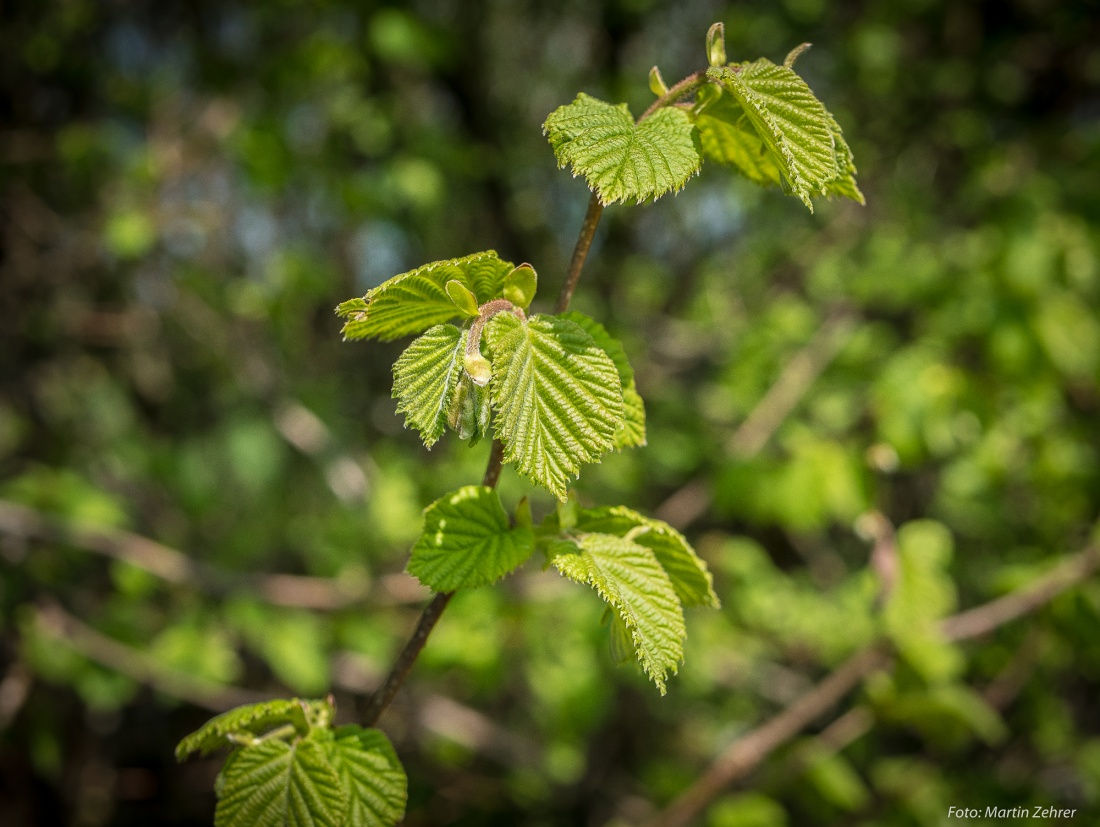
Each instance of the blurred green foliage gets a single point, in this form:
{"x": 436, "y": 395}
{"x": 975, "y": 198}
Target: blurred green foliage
{"x": 187, "y": 190}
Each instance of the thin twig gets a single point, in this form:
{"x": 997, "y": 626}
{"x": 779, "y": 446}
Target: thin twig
{"x": 404, "y": 663}
{"x": 749, "y": 751}
{"x": 580, "y": 252}
{"x": 676, "y": 91}
{"x": 428, "y": 618}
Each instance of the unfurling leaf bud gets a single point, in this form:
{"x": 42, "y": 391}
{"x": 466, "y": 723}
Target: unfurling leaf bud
{"x": 657, "y": 83}
{"x": 463, "y": 299}
{"x": 520, "y": 285}
{"x": 479, "y": 369}
{"x": 793, "y": 54}
{"x": 716, "y": 45}
{"x": 523, "y": 514}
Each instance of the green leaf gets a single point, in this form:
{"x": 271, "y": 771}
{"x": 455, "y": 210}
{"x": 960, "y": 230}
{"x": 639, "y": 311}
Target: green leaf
{"x": 620, "y": 644}
{"x": 632, "y": 432}
{"x": 520, "y": 286}
{"x": 276, "y": 784}
{"x": 686, "y": 570}
{"x": 255, "y": 719}
{"x": 415, "y": 301}
{"x": 371, "y": 775}
{"x": 556, "y": 394}
{"x": 790, "y": 120}
{"x": 728, "y": 137}
{"x": 924, "y": 593}
{"x": 628, "y": 576}
{"x": 845, "y": 183}
{"x": 467, "y": 541}
{"x": 618, "y": 158}
{"x": 426, "y": 380}
{"x": 462, "y": 298}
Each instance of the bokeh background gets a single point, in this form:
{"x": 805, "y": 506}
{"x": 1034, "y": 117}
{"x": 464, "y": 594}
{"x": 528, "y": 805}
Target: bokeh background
{"x": 206, "y": 497}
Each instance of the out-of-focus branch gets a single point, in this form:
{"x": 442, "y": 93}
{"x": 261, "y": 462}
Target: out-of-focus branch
{"x": 175, "y": 567}
{"x": 796, "y": 378}
{"x": 133, "y": 663}
{"x": 749, "y": 751}
{"x": 691, "y": 502}
{"x": 985, "y": 618}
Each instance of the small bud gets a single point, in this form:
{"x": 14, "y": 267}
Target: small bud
{"x": 567, "y": 512}
{"x": 793, "y": 54}
{"x": 520, "y": 285}
{"x": 523, "y": 514}
{"x": 716, "y": 45}
{"x": 657, "y": 83}
{"x": 479, "y": 369}
{"x": 463, "y": 299}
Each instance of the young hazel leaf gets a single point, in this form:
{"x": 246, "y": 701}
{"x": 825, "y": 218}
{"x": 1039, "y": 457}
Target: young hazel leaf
{"x": 426, "y": 380}
{"x": 632, "y": 432}
{"x": 415, "y": 301}
{"x": 686, "y": 570}
{"x": 276, "y": 784}
{"x": 792, "y": 123}
{"x": 254, "y": 719}
{"x": 462, "y": 298}
{"x": 556, "y": 394}
{"x": 467, "y": 541}
{"x": 845, "y": 183}
{"x": 371, "y": 775}
{"x": 628, "y": 576}
{"x": 727, "y": 136}
{"x": 619, "y": 159}
{"x": 520, "y": 286}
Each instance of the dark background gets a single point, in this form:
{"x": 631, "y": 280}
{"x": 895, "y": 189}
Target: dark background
{"x": 187, "y": 189}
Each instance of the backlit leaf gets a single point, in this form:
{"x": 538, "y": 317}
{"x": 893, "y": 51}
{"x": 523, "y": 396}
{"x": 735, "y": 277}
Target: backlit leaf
{"x": 371, "y": 775}
{"x": 277, "y": 784}
{"x": 628, "y": 576}
{"x": 619, "y": 159}
{"x": 426, "y": 380}
{"x": 556, "y": 394}
{"x": 415, "y": 301}
{"x": 467, "y": 541}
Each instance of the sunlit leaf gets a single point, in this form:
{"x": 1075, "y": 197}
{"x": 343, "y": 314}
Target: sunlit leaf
{"x": 619, "y": 159}
{"x": 467, "y": 541}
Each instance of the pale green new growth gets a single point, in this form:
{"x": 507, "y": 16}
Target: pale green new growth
{"x": 628, "y": 576}
{"x": 427, "y": 379}
{"x": 728, "y": 137}
{"x": 632, "y": 432}
{"x": 686, "y": 570}
{"x": 371, "y": 775}
{"x": 619, "y": 159}
{"x": 276, "y": 784}
{"x": 467, "y": 541}
{"x": 255, "y": 719}
{"x": 415, "y": 301}
{"x": 469, "y": 413}
{"x": 793, "y": 124}
{"x": 556, "y": 395}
